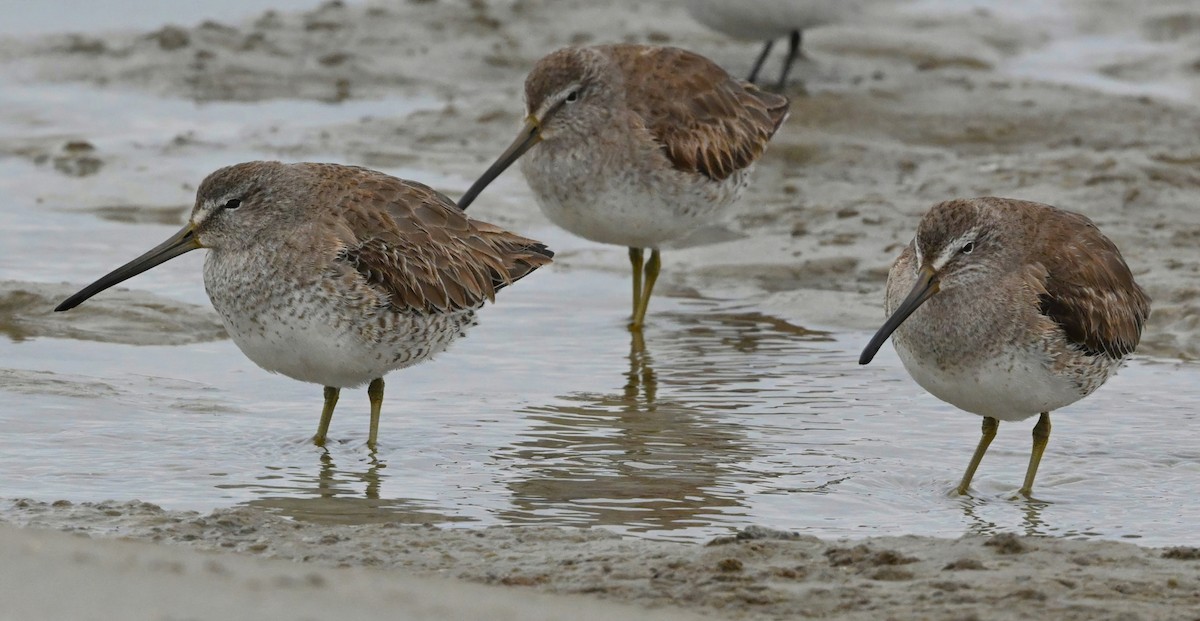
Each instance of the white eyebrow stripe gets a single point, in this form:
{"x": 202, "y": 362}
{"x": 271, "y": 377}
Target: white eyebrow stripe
{"x": 952, "y": 248}
{"x": 556, "y": 99}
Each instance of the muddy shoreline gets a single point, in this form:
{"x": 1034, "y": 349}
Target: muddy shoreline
{"x": 897, "y": 118}
{"x": 751, "y": 573}
{"x": 900, "y": 113}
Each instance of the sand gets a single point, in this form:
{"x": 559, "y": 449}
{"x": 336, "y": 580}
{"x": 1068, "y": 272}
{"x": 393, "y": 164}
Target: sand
{"x": 754, "y": 573}
{"x": 900, "y": 113}
{"x": 49, "y": 575}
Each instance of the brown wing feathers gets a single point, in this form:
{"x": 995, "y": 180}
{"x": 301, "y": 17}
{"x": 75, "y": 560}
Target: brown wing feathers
{"x": 425, "y": 254}
{"x": 707, "y": 121}
{"x": 1090, "y": 291}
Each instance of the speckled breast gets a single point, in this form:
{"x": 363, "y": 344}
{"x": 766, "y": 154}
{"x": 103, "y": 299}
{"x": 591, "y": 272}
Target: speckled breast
{"x": 302, "y": 328}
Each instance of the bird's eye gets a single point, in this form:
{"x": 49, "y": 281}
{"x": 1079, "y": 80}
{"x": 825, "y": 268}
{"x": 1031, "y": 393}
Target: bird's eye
{"x": 232, "y": 203}
{"x": 572, "y": 97}
{"x": 968, "y": 248}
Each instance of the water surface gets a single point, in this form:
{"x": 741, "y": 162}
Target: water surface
{"x": 548, "y": 413}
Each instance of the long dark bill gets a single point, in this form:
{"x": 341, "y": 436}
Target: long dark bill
{"x": 179, "y": 243}
{"x": 530, "y": 135}
{"x": 927, "y": 285}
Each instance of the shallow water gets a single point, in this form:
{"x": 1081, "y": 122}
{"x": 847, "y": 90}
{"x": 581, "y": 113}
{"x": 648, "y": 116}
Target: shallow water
{"x": 727, "y": 418}
{"x": 547, "y": 414}
{"x": 551, "y": 414}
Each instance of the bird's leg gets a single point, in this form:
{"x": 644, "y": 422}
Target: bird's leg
{"x": 652, "y": 267}
{"x": 636, "y": 260}
{"x": 331, "y": 399}
{"x": 793, "y": 53}
{"x": 375, "y": 394}
{"x": 759, "y": 63}
{"x": 1041, "y": 437}
{"x": 989, "y": 432}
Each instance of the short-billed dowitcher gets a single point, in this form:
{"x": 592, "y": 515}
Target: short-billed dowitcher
{"x": 337, "y": 275}
{"x": 636, "y": 146}
{"x": 768, "y": 20}
{"x": 1007, "y": 308}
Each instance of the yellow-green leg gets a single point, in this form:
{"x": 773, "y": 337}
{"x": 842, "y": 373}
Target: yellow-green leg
{"x": 375, "y": 394}
{"x": 331, "y": 399}
{"x": 1041, "y": 437}
{"x": 989, "y": 433}
{"x": 635, "y": 260}
{"x": 652, "y": 267}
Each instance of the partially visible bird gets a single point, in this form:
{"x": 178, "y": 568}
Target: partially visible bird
{"x": 768, "y": 20}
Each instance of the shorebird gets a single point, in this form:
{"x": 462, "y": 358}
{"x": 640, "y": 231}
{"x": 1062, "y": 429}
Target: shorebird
{"x": 336, "y": 275}
{"x": 636, "y": 146}
{"x": 1007, "y": 308}
{"x": 768, "y": 20}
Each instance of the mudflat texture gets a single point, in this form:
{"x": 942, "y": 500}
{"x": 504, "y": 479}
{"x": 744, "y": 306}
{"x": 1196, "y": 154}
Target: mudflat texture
{"x": 757, "y": 573}
{"x": 905, "y": 109}
{"x": 900, "y": 113}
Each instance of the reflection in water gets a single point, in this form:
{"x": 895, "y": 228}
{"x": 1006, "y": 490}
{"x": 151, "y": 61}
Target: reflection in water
{"x": 641, "y": 384}
{"x": 659, "y": 454}
{"x": 1032, "y": 522}
{"x": 338, "y": 496}
{"x": 721, "y": 418}
{"x": 728, "y": 417}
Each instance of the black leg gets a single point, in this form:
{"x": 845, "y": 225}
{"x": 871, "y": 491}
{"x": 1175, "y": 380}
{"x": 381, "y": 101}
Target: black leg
{"x": 792, "y": 55}
{"x": 759, "y": 63}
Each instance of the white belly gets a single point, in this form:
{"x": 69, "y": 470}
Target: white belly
{"x": 321, "y": 352}
{"x": 324, "y": 335}
{"x": 627, "y": 206}
{"x": 1011, "y": 387}
{"x": 612, "y": 218}
{"x": 759, "y": 20}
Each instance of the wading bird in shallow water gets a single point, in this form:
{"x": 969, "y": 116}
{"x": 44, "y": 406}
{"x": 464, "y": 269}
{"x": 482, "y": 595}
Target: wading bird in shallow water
{"x": 637, "y": 146}
{"x": 337, "y": 275}
{"x": 768, "y": 20}
{"x": 1007, "y": 308}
